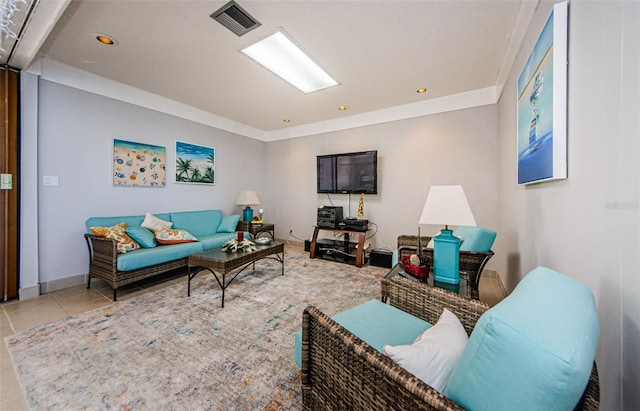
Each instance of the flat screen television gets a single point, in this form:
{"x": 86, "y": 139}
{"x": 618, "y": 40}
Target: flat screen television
{"x": 348, "y": 173}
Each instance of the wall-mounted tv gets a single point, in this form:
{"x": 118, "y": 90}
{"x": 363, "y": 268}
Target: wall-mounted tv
{"x": 348, "y": 173}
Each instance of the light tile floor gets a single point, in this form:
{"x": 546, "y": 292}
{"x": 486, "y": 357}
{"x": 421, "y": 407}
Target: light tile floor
{"x": 17, "y": 316}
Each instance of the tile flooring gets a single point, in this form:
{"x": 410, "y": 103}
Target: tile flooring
{"x": 17, "y": 316}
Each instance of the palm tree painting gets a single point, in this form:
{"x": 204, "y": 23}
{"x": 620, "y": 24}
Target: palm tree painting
{"x": 195, "y": 163}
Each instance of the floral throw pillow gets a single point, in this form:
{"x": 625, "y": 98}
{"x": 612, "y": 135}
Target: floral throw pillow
{"x": 116, "y": 232}
{"x": 153, "y": 223}
{"x": 172, "y": 236}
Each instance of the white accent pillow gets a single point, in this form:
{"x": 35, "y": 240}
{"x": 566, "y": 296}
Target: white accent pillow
{"x": 153, "y": 223}
{"x": 433, "y": 355}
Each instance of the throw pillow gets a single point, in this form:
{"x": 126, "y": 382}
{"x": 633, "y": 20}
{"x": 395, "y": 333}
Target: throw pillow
{"x": 171, "y": 236}
{"x": 153, "y": 223}
{"x": 124, "y": 243}
{"x": 228, "y": 224}
{"x": 478, "y": 239}
{"x": 142, "y": 236}
{"x": 434, "y": 353}
{"x": 533, "y": 350}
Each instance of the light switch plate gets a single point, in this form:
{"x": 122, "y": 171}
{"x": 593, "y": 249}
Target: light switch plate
{"x": 50, "y": 180}
{"x": 6, "y": 181}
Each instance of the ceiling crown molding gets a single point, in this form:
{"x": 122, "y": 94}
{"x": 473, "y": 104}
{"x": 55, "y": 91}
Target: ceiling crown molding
{"x": 460, "y": 101}
{"x": 60, "y": 73}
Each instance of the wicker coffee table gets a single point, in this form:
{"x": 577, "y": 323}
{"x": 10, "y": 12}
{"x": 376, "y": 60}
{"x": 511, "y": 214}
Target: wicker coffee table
{"x": 220, "y": 263}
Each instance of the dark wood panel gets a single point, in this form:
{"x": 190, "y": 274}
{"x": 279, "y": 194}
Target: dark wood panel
{"x": 9, "y": 199}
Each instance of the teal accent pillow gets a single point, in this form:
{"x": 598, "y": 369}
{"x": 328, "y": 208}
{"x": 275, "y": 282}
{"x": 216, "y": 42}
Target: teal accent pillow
{"x": 142, "y": 236}
{"x": 476, "y": 239}
{"x": 537, "y": 346}
{"x": 228, "y": 224}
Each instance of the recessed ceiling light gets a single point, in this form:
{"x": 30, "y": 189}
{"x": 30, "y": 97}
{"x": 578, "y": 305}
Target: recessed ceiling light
{"x": 286, "y": 120}
{"x": 105, "y": 39}
{"x": 421, "y": 90}
{"x": 279, "y": 54}
{"x": 342, "y": 108}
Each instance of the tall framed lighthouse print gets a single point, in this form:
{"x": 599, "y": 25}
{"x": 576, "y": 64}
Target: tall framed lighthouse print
{"x": 542, "y": 104}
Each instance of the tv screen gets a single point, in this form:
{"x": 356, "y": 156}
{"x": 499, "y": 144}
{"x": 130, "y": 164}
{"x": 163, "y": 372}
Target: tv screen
{"x": 348, "y": 173}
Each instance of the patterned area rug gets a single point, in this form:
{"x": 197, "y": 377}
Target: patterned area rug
{"x": 166, "y": 351}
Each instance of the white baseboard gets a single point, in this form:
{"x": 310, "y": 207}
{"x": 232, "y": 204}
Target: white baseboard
{"x": 62, "y": 283}
{"x": 494, "y": 274}
{"x": 28, "y": 293}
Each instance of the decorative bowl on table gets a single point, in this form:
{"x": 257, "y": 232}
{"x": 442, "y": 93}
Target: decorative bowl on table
{"x": 262, "y": 240}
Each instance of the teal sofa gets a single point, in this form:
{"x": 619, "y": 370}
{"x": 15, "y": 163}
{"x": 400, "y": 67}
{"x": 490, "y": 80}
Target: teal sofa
{"x": 210, "y": 227}
{"x": 535, "y": 350}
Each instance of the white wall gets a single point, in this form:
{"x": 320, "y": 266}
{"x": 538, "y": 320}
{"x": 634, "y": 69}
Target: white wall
{"x": 75, "y": 143}
{"x": 458, "y": 147}
{"x": 29, "y": 253}
{"x": 588, "y": 225}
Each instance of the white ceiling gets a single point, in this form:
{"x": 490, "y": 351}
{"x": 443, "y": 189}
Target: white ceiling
{"x": 379, "y": 51}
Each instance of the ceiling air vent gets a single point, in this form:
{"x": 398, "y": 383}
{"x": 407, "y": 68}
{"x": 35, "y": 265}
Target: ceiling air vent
{"x": 233, "y": 17}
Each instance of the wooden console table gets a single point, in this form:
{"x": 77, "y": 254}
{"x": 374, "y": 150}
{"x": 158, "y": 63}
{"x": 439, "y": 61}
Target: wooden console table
{"x": 359, "y": 249}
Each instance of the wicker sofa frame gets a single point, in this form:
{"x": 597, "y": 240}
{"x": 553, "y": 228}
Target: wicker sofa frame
{"x": 471, "y": 262}
{"x": 342, "y": 372}
{"x": 103, "y": 259}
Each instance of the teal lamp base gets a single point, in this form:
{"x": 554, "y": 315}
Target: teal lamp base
{"x": 446, "y": 257}
{"x": 247, "y": 214}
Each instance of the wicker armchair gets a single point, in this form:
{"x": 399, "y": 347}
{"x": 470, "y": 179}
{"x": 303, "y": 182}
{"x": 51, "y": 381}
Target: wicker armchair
{"x": 342, "y": 372}
{"x": 472, "y": 263}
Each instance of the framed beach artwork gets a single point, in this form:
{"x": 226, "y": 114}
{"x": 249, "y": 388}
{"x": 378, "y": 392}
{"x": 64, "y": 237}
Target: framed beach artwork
{"x": 195, "y": 164}
{"x": 138, "y": 164}
{"x": 542, "y": 104}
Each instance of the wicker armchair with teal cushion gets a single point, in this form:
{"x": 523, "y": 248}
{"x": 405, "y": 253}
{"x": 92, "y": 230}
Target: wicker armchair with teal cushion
{"x": 535, "y": 350}
{"x": 475, "y": 251}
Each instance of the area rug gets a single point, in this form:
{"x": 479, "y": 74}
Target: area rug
{"x": 166, "y": 351}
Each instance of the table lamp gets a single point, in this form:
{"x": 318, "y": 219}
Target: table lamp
{"x": 247, "y": 198}
{"x": 446, "y": 205}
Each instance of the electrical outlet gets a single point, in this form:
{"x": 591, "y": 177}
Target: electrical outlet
{"x": 6, "y": 181}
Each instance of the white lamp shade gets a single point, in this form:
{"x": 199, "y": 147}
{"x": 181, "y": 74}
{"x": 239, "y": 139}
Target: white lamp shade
{"x": 247, "y": 198}
{"x": 447, "y": 205}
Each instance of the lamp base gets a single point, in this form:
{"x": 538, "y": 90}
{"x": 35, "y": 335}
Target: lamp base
{"x": 446, "y": 257}
{"x": 247, "y": 214}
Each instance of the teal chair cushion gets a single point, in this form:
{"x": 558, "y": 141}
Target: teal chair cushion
{"x": 217, "y": 240}
{"x": 132, "y": 220}
{"x": 534, "y": 350}
{"x": 198, "y": 223}
{"x": 476, "y": 239}
{"x": 377, "y": 324}
{"x": 146, "y": 257}
{"x": 395, "y": 257}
